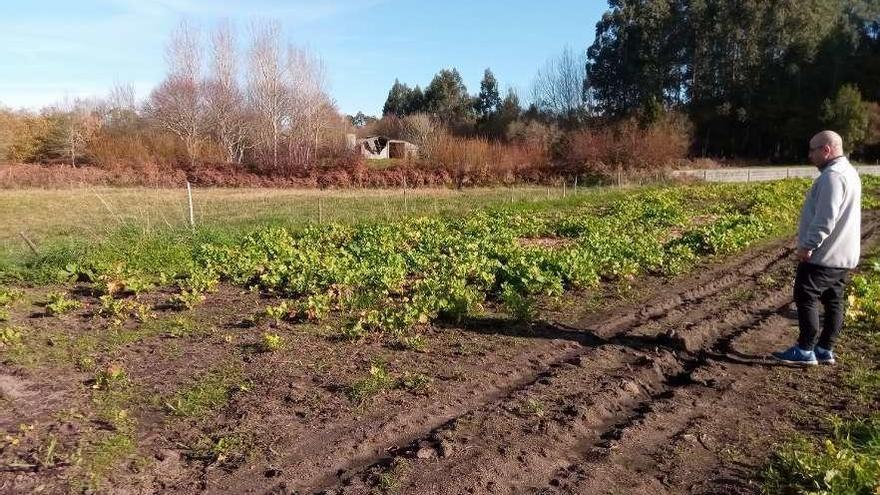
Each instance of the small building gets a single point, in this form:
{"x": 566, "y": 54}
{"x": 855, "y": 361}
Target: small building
{"x": 381, "y": 147}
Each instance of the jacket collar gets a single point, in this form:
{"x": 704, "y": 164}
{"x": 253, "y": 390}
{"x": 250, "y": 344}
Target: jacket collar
{"x": 831, "y": 163}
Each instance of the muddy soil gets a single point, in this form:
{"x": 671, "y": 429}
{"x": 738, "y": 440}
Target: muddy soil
{"x": 666, "y": 390}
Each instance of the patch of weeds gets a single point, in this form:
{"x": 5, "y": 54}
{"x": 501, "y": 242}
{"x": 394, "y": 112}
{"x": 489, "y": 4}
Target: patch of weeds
{"x": 742, "y": 294}
{"x": 414, "y": 382}
{"x": 376, "y": 382}
{"x": 9, "y": 296}
{"x": 534, "y": 407}
{"x": 225, "y": 450}
{"x": 205, "y": 395}
{"x": 180, "y": 326}
{"x": 49, "y": 451}
{"x": 277, "y": 312}
{"x": 416, "y": 343}
{"x": 113, "y": 397}
{"x": 58, "y": 303}
{"x": 520, "y": 306}
{"x": 84, "y": 363}
{"x": 176, "y": 326}
{"x": 353, "y": 331}
{"x": 315, "y": 307}
{"x": 117, "y": 279}
{"x": 187, "y": 299}
{"x": 767, "y": 281}
{"x": 390, "y": 480}
{"x": 10, "y": 337}
{"x": 100, "y": 456}
{"x": 864, "y": 378}
{"x": 271, "y": 342}
{"x": 193, "y": 289}
{"x": 844, "y": 463}
{"x": 119, "y": 310}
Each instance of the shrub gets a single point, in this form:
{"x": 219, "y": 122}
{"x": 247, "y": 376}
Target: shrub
{"x": 627, "y": 147}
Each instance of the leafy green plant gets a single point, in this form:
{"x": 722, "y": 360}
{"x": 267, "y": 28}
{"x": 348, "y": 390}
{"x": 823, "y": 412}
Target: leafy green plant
{"x": 534, "y": 408}
{"x": 119, "y": 310}
{"x": 414, "y": 382}
{"x": 277, "y": 312}
{"x": 844, "y": 464}
{"x": 58, "y": 304}
{"x": 8, "y": 296}
{"x": 416, "y": 343}
{"x": 10, "y": 336}
{"x": 377, "y": 381}
{"x": 353, "y": 331}
{"x": 118, "y": 280}
{"x": 111, "y": 377}
{"x": 520, "y": 306}
{"x": 187, "y": 299}
{"x": 181, "y": 327}
{"x": 272, "y": 342}
{"x": 227, "y": 450}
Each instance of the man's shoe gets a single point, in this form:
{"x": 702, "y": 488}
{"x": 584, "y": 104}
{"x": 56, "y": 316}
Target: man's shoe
{"x": 824, "y": 356}
{"x": 795, "y": 355}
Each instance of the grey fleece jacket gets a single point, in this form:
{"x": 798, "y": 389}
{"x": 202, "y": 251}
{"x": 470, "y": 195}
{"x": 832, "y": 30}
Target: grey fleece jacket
{"x": 831, "y": 218}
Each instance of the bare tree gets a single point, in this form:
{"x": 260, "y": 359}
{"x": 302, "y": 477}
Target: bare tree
{"x": 122, "y": 97}
{"x": 178, "y": 103}
{"x": 422, "y": 130}
{"x": 310, "y": 109}
{"x": 267, "y": 92}
{"x": 77, "y": 121}
{"x": 558, "y": 87}
{"x": 119, "y": 110}
{"x": 224, "y": 96}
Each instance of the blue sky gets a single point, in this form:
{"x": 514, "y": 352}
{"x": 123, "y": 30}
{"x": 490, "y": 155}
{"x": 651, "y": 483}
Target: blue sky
{"x": 54, "y": 49}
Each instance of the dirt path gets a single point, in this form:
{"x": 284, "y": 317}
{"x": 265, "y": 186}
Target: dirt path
{"x": 655, "y": 401}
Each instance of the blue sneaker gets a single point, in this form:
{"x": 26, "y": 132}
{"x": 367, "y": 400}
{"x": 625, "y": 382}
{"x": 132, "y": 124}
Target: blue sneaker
{"x": 824, "y": 356}
{"x": 796, "y": 355}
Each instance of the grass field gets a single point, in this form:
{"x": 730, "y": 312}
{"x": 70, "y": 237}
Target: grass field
{"x": 63, "y": 218}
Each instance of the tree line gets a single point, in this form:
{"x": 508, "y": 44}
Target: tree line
{"x": 266, "y": 105}
{"x": 755, "y": 78}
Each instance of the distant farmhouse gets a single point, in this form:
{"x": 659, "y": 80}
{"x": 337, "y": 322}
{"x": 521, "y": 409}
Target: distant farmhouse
{"x": 381, "y": 147}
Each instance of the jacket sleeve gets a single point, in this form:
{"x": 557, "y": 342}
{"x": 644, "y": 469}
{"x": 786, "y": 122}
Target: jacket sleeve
{"x": 829, "y": 202}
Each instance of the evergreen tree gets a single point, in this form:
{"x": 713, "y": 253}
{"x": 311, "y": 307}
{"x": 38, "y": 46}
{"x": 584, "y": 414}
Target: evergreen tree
{"x": 848, "y": 115}
{"x": 489, "y": 101}
{"x": 398, "y": 100}
{"x": 447, "y": 98}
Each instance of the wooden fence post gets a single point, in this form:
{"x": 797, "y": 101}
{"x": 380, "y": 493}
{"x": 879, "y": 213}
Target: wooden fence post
{"x": 189, "y": 194}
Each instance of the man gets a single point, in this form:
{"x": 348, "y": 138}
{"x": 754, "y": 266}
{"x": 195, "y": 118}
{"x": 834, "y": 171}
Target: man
{"x": 829, "y": 238}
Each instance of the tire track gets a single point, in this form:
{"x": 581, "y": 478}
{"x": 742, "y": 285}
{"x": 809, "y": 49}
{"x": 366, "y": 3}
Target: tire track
{"x": 642, "y": 369}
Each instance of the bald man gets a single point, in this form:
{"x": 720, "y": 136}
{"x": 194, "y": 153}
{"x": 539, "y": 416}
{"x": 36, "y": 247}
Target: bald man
{"x": 829, "y": 238}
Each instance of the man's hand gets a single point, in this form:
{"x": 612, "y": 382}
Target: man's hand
{"x": 803, "y": 254}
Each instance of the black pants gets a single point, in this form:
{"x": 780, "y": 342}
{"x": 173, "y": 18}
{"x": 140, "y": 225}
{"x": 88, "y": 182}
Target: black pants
{"x": 812, "y": 284}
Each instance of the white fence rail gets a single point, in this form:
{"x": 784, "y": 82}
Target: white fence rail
{"x": 762, "y": 174}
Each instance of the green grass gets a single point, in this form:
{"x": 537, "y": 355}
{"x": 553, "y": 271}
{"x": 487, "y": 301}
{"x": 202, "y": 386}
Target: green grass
{"x": 102, "y": 454}
{"x": 847, "y": 463}
{"x": 207, "y": 394}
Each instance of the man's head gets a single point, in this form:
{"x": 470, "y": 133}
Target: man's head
{"x": 825, "y": 146}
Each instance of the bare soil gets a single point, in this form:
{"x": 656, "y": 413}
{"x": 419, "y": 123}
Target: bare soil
{"x": 662, "y": 388}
